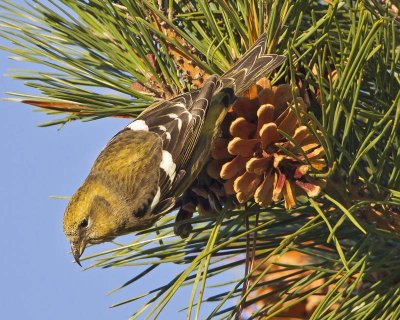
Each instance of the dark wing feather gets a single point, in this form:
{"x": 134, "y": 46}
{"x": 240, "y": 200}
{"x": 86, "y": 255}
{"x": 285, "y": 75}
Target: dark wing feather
{"x": 198, "y": 110}
{"x": 178, "y": 122}
{"x": 170, "y": 119}
{"x": 251, "y": 67}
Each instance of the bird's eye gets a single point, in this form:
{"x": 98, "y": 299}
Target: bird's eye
{"x": 84, "y": 223}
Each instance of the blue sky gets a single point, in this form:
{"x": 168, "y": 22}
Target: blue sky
{"x": 38, "y": 278}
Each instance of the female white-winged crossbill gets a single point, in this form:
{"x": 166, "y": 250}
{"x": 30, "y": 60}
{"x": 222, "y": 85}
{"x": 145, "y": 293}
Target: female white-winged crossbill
{"x": 147, "y": 166}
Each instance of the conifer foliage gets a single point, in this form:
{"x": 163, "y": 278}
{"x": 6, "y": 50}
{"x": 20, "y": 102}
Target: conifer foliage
{"x": 299, "y": 205}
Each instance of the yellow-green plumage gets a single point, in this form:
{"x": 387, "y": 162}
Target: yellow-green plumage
{"x": 115, "y": 191}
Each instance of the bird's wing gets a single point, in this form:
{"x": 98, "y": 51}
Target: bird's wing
{"x": 178, "y": 123}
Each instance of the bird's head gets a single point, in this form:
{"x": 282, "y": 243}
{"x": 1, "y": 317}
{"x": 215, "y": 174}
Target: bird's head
{"x": 91, "y": 217}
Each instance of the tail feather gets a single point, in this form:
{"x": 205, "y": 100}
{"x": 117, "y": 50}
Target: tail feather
{"x": 251, "y": 67}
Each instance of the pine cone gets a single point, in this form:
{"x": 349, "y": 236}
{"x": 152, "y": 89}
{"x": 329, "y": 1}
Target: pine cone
{"x": 257, "y": 159}
{"x": 252, "y": 159}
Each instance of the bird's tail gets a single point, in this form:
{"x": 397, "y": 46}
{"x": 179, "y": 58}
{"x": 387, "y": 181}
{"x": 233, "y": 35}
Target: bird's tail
{"x": 251, "y": 67}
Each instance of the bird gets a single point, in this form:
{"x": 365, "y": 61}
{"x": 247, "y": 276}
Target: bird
{"x": 146, "y": 167}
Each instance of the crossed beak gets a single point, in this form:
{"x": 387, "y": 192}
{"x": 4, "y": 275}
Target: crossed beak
{"x": 77, "y": 248}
